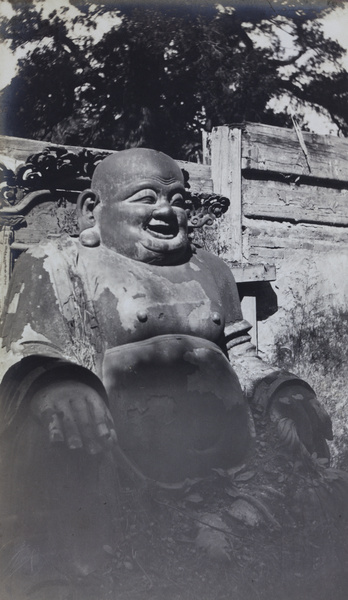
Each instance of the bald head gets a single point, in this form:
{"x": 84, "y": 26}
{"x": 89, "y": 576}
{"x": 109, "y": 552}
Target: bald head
{"x": 142, "y": 206}
{"x": 120, "y": 170}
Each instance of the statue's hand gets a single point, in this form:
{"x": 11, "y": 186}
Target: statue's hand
{"x": 302, "y": 422}
{"x": 75, "y": 414}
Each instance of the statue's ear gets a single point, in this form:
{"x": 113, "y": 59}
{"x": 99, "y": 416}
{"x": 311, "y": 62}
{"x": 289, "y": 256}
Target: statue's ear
{"x": 86, "y": 204}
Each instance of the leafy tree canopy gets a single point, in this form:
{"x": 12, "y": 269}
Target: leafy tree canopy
{"x": 161, "y": 72}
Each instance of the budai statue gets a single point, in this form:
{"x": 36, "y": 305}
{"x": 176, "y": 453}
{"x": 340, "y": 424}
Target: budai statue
{"x": 128, "y": 343}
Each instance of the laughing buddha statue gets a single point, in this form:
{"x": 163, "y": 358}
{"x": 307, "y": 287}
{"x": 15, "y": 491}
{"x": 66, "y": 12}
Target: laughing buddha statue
{"x": 128, "y": 341}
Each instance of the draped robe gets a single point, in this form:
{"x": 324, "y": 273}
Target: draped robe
{"x": 100, "y": 317}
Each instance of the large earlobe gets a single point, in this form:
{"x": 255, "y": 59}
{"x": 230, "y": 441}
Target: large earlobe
{"x": 87, "y": 201}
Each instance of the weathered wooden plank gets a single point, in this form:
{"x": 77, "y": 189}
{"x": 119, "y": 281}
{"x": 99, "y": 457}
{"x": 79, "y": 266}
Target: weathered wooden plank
{"x": 19, "y": 149}
{"x": 276, "y": 200}
{"x": 248, "y": 273}
{"x": 248, "y": 305}
{"x": 226, "y": 175}
{"x": 297, "y": 230}
{"x": 206, "y": 150}
{"x": 6, "y": 237}
{"x": 200, "y": 179}
{"x": 276, "y": 149}
{"x": 269, "y": 241}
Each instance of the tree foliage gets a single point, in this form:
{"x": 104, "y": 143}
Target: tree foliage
{"x": 164, "y": 72}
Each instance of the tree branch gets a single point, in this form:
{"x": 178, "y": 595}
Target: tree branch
{"x": 288, "y": 61}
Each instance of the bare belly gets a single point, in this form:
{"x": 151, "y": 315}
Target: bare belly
{"x": 178, "y": 407}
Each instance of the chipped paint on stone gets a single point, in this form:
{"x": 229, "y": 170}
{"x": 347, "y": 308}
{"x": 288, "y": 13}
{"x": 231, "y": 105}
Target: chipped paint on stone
{"x": 12, "y": 309}
{"x": 158, "y": 298}
{"x": 19, "y": 349}
{"x": 194, "y": 267}
{"x": 7, "y": 360}
{"x": 29, "y": 335}
{"x": 38, "y": 251}
{"x": 196, "y": 314}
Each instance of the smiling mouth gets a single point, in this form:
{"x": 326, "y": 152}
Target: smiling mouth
{"x": 162, "y": 229}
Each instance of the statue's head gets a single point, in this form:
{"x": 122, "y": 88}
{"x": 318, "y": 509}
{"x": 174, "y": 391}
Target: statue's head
{"x": 136, "y": 207}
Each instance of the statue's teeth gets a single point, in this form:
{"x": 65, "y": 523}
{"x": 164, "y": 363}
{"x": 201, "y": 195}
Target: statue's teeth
{"x": 161, "y": 228}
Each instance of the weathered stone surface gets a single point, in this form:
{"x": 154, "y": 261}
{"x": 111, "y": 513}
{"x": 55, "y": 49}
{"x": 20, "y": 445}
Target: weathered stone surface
{"x": 245, "y": 512}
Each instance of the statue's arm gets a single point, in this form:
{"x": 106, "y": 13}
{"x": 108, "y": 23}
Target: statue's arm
{"x": 286, "y": 398}
{"x": 43, "y": 369}
{"x": 242, "y": 353}
{"x": 33, "y": 332}
{"x": 35, "y": 320}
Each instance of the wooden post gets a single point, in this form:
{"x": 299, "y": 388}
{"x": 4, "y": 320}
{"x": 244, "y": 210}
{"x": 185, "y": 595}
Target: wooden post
{"x": 226, "y": 145}
{"x": 206, "y": 138}
{"x": 249, "y": 313}
{"x": 226, "y": 156}
{"x": 6, "y": 236}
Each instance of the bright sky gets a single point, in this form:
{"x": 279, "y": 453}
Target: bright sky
{"x": 335, "y": 26}
{"x": 8, "y": 60}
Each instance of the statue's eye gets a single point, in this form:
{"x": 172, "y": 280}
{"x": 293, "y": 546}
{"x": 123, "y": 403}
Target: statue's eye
{"x": 147, "y": 200}
{"x": 178, "y": 200}
{"x": 144, "y": 197}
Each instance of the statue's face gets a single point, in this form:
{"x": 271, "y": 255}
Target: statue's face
{"x": 142, "y": 212}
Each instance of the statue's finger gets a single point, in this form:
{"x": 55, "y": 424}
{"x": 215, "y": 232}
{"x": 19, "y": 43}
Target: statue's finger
{"x": 42, "y": 406}
{"x": 70, "y": 428}
{"x": 103, "y": 420}
{"x": 107, "y": 434}
{"x": 80, "y": 410}
{"x": 52, "y": 423}
{"x": 103, "y": 430}
{"x": 87, "y": 427}
{"x": 55, "y": 432}
{"x": 113, "y": 435}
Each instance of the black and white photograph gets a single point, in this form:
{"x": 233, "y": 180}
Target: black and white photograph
{"x": 173, "y": 300}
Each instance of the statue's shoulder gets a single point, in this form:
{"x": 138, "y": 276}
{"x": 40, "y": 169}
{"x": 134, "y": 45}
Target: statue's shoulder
{"x": 51, "y": 255}
{"x": 55, "y": 246}
{"x": 214, "y": 263}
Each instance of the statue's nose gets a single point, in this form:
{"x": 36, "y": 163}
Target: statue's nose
{"x": 163, "y": 209}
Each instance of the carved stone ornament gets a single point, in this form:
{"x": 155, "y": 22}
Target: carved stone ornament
{"x": 53, "y": 168}
{"x": 11, "y": 220}
{"x": 205, "y": 208}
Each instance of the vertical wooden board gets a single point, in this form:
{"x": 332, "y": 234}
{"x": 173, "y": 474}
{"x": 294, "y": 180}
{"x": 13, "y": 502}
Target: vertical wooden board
{"x": 6, "y": 236}
{"x": 206, "y": 149}
{"x": 226, "y": 176}
{"x": 248, "y": 305}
